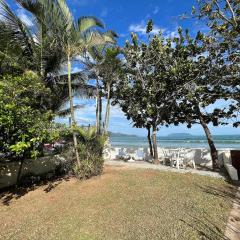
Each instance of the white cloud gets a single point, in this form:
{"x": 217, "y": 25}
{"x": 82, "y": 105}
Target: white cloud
{"x": 140, "y": 28}
{"x": 171, "y": 34}
{"x": 76, "y": 69}
{"x": 21, "y": 13}
{"x": 156, "y": 10}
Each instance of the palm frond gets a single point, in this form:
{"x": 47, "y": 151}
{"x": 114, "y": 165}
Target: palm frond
{"x": 33, "y": 6}
{"x": 66, "y": 112}
{"x": 15, "y": 30}
{"x": 66, "y": 14}
{"x": 85, "y": 23}
{"x": 111, "y": 34}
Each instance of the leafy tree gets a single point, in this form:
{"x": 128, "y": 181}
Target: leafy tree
{"x": 144, "y": 93}
{"x": 173, "y": 81}
{"x": 223, "y": 19}
{"x": 198, "y": 73}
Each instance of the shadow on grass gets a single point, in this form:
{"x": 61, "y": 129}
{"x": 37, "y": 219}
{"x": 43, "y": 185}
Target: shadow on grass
{"x": 206, "y": 229}
{"x": 16, "y": 192}
{"x": 229, "y": 192}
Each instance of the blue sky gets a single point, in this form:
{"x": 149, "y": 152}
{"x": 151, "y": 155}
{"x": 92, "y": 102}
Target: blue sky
{"x": 124, "y": 17}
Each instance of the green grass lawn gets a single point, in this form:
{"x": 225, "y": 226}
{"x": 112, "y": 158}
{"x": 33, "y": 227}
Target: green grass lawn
{"x": 121, "y": 204}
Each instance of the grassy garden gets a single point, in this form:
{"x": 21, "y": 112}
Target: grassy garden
{"x": 120, "y": 204}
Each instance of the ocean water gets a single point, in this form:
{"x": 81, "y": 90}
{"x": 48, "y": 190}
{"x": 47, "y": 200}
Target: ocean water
{"x": 221, "y": 141}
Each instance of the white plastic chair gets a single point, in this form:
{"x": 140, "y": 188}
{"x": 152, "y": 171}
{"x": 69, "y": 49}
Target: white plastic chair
{"x": 122, "y": 154}
{"x": 178, "y": 157}
{"x": 189, "y": 158}
{"x": 139, "y": 155}
{"x": 167, "y": 156}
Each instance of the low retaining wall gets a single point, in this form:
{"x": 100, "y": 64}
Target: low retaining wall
{"x": 41, "y": 166}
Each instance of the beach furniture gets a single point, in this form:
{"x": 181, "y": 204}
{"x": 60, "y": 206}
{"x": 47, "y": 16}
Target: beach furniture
{"x": 167, "y": 156}
{"x": 189, "y": 158}
{"x": 176, "y": 158}
{"x": 139, "y": 155}
{"x": 181, "y": 158}
{"x": 172, "y": 156}
{"x": 122, "y": 154}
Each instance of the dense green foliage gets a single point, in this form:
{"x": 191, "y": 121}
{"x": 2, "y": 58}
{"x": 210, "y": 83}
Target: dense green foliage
{"x": 24, "y": 120}
{"x": 144, "y": 93}
{"x": 174, "y": 80}
{"x": 90, "y": 148}
{"x": 223, "y": 19}
{"x": 90, "y": 152}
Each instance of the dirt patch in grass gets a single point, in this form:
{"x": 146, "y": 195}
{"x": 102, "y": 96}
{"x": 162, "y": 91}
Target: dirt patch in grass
{"x": 121, "y": 204}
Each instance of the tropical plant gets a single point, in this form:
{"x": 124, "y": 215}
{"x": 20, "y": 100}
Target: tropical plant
{"x": 110, "y": 71}
{"x": 95, "y": 62}
{"x": 34, "y": 45}
{"x": 76, "y": 38}
{"x": 90, "y": 149}
{"x": 23, "y": 116}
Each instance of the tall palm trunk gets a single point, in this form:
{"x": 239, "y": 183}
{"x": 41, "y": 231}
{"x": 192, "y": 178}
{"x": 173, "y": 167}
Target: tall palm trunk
{"x": 150, "y": 141}
{"x": 154, "y": 139}
{"x": 100, "y": 112}
{"x": 107, "y": 114}
{"x": 41, "y": 51}
{"x": 73, "y": 121}
{"x": 99, "y": 109}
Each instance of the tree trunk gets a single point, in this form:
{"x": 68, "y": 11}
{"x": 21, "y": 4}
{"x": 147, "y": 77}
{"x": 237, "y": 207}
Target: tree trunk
{"x": 100, "y": 112}
{"x": 213, "y": 149}
{"x": 20, "y": 171}
{"x": 98, "y": 109}
{"x": 155, "y": 151}
{"x": 150, "y": 141}
{"x": 41, "y": 51}
{"x": 107, "y": 114}
{"x": 73, "y": 121}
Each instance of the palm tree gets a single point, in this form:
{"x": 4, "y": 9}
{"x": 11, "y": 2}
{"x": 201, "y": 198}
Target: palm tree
{"x": 99, "y": 63}
{"x": 56, "y": 38}
{"x": 76, "y": 38}
{"x": 34, "y": 47}
{"x": 110, "y": 71}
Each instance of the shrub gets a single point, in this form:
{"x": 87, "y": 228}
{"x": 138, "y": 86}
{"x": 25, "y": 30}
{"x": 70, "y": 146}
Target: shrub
{"x": 24, "y": 120}
{"x": 91, "y": 153}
